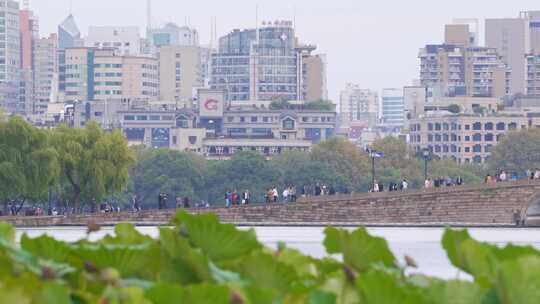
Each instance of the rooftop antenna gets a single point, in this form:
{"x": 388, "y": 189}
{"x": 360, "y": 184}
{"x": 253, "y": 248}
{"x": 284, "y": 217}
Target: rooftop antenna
{"x": 294, "y": 18}
{"x": 257, "y": 23}
{"x": 148, "y": 15}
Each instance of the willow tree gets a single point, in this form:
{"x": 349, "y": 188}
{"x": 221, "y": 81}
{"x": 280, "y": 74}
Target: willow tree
{"x": 94, "y": 164}
{"x": 28, "y": 164}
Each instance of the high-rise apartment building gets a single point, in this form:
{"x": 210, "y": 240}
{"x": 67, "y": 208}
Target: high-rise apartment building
{"x": 179, "y": 74}
{"x": 392, "y": 109}
{"x": 534, "y": 26}
{"x": 456, "y": 70}
{"x": 512, "y": 39}
{"x": 45, "y": 73}
{"x": 314, "y": 77}
{"x": 358, "y": 105}
{"x": 29, "y": 33}
{"x": 10, "y": 56}
{"x": 69, "y": 36}
{"x": 172, "y": 34}
{"x": 260, "y": 64}
{"x": 101, "y": 74}
{"x": 533, "y": 74}
{"x": 126, "y": 39}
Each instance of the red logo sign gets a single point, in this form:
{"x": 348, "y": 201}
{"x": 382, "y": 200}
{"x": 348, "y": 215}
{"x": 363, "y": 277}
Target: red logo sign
{"x": 211, "y": 105}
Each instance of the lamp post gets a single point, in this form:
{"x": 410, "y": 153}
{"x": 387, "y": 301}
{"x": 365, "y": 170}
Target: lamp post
{"x": 373, "y": 155}
{"x": 426, "y": 153}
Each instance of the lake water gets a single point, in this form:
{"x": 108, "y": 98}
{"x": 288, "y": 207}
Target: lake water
{"x": 422, "y": 244}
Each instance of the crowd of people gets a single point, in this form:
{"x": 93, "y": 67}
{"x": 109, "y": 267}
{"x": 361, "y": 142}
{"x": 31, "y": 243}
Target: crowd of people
{"x": 443, "y": 182}
{"x": 379, "y": 187}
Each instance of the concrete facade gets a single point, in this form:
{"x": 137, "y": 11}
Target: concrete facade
{"x": 180, "y": 72}
{"x": 100, "y": 74}
{"x": 314, "y": 126}
{"x": 314, "y": 74}
{"x": 358, "y": 105}
{"x": 45, "y": 73}
{"x": 126, "y": 39}
{"x": 10, "y": 56}
{"x": 455, "y": 70}
{"x": 511, "y": 38}
{"x": 464, "y": 138}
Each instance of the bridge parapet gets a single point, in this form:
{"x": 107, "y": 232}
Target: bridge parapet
{"x": 480, "y": 205}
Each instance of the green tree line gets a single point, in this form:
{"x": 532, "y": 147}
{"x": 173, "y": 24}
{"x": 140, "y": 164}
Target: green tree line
{"x": 80, "y": 168}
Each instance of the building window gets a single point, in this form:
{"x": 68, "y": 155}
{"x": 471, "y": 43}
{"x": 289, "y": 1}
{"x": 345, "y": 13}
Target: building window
{"x": 430, "y": 127}
{"x": 446, "y": 137}
{"x": 453, "y": 148}
{"x": 446, "y": 127}
{"x": 512, "y": 126}
{"x": 437, "y": 137}
{"x": 500, "y": 126}
{"x": 467, "y": 127}
{"x": 500, "y": 137}
{"x": 477, "y": 126}
{"x": 467, "y": 138}
{"x": 453, "y": 137}
{"x": 477, "y": 137}
{"x": 437, "y": 127}
{"x": 174, "y": 140}
{"x": 254, "y": 119}
{"x": 265, "y": 119}
{"x": 488, "y": 126}
{"x": 488, "y": 137}
{"x": 288, "y": 124}
{"x": 488, "y": 148}
{"x": 129, "y": 117}
{"x": 192, "y": 139}
{"x": 445, "y": 149}
{"x": 477, "y": 148}
{"x": 242, "y": 119}
{"x": 477, "y": 159}
{"x": 467, "y": 149}
{"x": 430, "y": 138}
{"x": 437, "y": 149}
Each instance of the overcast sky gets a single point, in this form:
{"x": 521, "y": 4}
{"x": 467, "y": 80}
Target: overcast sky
{"x": 371, "y": 43}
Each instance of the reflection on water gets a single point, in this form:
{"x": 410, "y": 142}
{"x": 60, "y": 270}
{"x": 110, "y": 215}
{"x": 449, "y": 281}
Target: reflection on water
{"x": 422, "y": 244}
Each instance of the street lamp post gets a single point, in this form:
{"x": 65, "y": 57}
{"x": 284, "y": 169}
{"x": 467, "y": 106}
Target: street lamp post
{"x": 425, "y": 154}
{"x": 373, "y": 155}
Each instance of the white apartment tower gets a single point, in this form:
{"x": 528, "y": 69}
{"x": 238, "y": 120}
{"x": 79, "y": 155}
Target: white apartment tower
{"x": 358, "y": 106}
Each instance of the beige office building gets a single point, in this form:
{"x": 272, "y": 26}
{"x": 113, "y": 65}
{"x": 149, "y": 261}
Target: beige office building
{"x": 314, "y": 78}
{"x": 100, "y": 74}
{"x": 511, "y": 37}
{"x": 465, "y": 138}
{"x": 45, "y": 73}
{"x": 180, "y": 72}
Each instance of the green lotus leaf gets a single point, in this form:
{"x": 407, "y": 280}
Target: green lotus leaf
{"x": 53, "y": 293}
{"x": 378, "y": 287}
{"x": 182, "y": 263}
{"x": 337, "y": 283}
{"x": 200, "y": 294}
{"x": 518, "y": 281}
{"x": 220, "y": 242}
{"x": 321, "y": 297}
{"x": 265, "y": 271}
{"x": 360, "y": 250}
{"x": 126, "y": 234}
{"x": 164, "y": 293}
{"x": 129, "y": 260}
{"x": 455, "y": 292}
{"x": 7, "y": 232}
{"x": 46, "y": 248}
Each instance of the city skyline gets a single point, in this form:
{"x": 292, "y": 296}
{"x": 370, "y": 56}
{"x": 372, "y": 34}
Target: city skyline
{"x": 349, "y": 59}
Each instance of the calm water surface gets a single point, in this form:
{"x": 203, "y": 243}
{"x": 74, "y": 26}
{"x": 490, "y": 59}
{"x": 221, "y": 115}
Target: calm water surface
{"x": 423, "y": 244}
